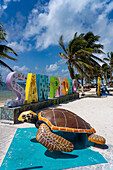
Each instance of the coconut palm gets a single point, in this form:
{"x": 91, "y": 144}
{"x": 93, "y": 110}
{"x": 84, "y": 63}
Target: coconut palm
{"x": 75, "y": 54}
{"x": 5, "y": 49}
{"x": 80, "y": 54}
{"x": 106, "y": 71}
{"x": 109, "y": 58}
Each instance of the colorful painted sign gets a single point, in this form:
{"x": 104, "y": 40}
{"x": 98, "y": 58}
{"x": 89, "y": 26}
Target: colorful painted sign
{"x": 99, "y": 85}
{"x": 31, "y": 89}
{"x": 37, "y": 87}
{"x": 15, "y": 87}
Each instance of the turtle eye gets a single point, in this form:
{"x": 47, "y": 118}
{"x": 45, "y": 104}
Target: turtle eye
{"x": 23, "y": 116}
{"x": 28, "y": 116}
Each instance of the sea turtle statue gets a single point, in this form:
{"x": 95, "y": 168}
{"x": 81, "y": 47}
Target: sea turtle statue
{"x": 51, "y": 120}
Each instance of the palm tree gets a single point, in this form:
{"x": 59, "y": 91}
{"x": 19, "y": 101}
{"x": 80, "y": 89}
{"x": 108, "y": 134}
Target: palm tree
{"x": 5, "y": 49}
{"x": 97, "y": 49}
{"x": 75, "y": 54}
{"x": 106, "y": 71}
{"x": 109, "y": 58}
{"x": 79, "y": 54}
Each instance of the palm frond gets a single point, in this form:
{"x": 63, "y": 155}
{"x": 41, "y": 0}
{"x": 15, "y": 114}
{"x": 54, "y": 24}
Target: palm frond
{"x": 5, "y": 65}
{"x": 62, "y": 44}
{"x": 97, "y": 46}
{"x": 98, "y": 51}
{"x": 79, "y": 68}
{"x": 85, "y": 64}
{"x": 62, "y": 55}
{"x": 4, "y": 55}
{"x": 106, "y": 59}
{"x": 7, "y": 49}
{"x": 97, "y": 58}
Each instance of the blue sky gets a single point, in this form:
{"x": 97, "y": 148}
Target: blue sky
{"x": 34, "y": 26}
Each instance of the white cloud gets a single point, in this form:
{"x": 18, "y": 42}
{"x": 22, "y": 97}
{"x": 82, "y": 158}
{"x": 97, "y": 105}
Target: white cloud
{"x": 4, "y": 72}
{"x": 52, "y": 67}
{"x": 64, "y": 71}
{"x": 4, "y": 4}
{"x": 36, "y": 68}
{"x": 47, "y": 22}
{"x": 67, "y": 17}
{"x": 35, "y": 10}
{"x": 58, "y": 69}
{"x": 19, "y": 47}
{"x": 62, "y": 17}
{"x": 22, "y": 69}
{"x": 61, "y": 61}
{"x": 15, "y": 27}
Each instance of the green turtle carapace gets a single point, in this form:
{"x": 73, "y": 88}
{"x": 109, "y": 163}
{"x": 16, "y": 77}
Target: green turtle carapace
{"x": 52, "y": 120}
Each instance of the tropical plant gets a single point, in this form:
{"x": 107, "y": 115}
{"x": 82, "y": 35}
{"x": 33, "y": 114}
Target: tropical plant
{"x": 106, "y": 71}
{"x": 80, "y": 54}
{"x": 5, "y": 49}
{"x": 96, "y": 49}
{"x": 75, "y": 54}
{"x": 109, "y": 58}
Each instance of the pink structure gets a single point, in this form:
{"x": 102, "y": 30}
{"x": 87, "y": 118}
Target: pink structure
{"x": 15, "y": 87}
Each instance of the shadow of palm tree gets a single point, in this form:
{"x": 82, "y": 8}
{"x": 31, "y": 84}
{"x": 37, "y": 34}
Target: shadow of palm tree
{"x": 35, "y": 167}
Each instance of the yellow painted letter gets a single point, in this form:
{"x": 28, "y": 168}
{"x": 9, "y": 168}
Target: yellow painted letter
{"x": 31, "y": 89}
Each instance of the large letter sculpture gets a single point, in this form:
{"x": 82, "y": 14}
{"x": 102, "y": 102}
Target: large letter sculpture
{"x": 31, "y": 89}
{"x": 42, "y": 86}
{"x": 66, "y": 91}
{"x": 54, "y": 85}
{"x": 70, "y": 86}
{"x": 15, "y": 87}
{"x": 99, "y": 85}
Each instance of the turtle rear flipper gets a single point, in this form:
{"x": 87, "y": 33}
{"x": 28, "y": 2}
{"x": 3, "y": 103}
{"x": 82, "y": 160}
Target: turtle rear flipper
{"x": 52, "y": 141}
{"x": 97, "y": 139}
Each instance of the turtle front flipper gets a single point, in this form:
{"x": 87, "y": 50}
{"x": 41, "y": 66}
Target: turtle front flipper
{"x": 52, "y": 141}
{"x": 96, "y": 139}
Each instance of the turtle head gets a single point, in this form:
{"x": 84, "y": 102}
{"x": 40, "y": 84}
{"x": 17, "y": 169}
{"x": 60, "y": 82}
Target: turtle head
{"x": 27, "y": 116}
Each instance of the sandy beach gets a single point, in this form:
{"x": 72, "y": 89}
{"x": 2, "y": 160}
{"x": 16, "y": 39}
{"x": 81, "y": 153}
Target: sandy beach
{"x": 98, "y": 111}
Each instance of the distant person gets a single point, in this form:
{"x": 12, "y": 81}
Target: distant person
{"x": 104, "y": 89}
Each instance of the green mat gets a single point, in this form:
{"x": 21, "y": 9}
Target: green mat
{"x": 26, "y": 153}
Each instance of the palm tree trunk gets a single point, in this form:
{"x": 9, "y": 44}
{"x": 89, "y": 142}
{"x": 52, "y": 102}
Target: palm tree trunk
{"x": 71, "y": 71}
{"x": 106, "y": 78}
{"x": 110, "y": 74}
{"x": 82, "y": 83}
{"x": 82, "y": 88}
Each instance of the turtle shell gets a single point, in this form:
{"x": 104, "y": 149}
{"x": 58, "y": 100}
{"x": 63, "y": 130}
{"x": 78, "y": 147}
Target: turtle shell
{"x": 64, "y": 120}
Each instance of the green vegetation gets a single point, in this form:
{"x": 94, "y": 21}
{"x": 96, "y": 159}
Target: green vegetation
{"x": 5, "y": 49}
{"x": 81, "y": 57}
{"x": 109, "y": 70}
